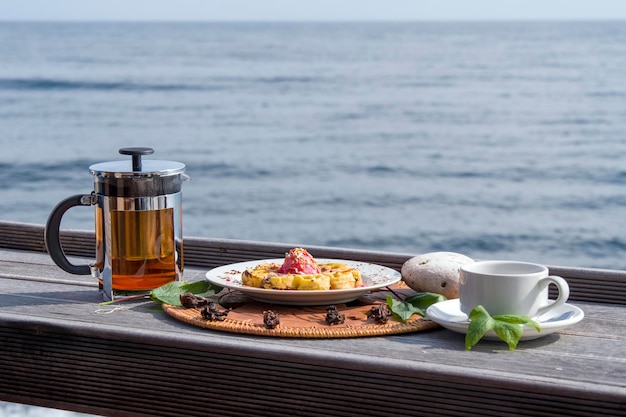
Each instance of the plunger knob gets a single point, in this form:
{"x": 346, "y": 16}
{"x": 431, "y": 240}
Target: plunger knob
{"x": 136, "y": 154}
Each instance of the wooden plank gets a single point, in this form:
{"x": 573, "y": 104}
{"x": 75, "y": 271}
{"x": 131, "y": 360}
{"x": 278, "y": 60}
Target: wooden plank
{"x": 142, "y": 374}
{"x": 586, "y": 284}
{"x": 61, "y": 349}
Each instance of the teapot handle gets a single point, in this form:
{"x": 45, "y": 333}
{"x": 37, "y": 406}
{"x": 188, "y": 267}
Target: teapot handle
{"x": 52, "y": 235}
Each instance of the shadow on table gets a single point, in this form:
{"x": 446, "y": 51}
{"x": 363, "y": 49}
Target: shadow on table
{"x": 88, "y": 295}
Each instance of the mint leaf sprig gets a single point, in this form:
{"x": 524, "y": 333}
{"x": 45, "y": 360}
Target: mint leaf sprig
{"x": 170, "y": 293}
{"x": 413, "y": 304}
{"x": 506, "y": 326}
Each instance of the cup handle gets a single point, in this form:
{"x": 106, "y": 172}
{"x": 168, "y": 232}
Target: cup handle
{"x": 52, "y": 233}
{"x": 563, "y": 292}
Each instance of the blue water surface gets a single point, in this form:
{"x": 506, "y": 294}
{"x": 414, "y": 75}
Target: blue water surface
{"x": 497, "y": 140}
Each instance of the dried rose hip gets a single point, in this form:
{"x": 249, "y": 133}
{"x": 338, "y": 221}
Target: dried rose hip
{"x": 270, "y": 319}
{"x": 334, "y": 316}
{"x": 380, "y": 313}
{"x": 212, "y": 313}
{"x": 189, "y": 300}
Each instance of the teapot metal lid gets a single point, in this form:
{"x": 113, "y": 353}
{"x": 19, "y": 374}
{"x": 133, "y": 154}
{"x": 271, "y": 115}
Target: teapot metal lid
{"x": 136, "y": 177}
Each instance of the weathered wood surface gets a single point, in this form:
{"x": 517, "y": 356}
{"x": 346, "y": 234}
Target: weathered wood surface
{"x": 596, "y": 285}
{"x": 61, "y": 349}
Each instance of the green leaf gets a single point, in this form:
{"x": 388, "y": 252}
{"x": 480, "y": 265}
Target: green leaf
{"x": 480, "y": 323}
{"x": 414, "y": 304}
{"x": 201, "y": 287}
{"x": 170, "y": 293}
{"x": 509, "y": 318}
{"x": 423, "y": 300}
{"x": 401, "y": 310}
{"x": 508, "y": 327}
{"x": 510, "y": 333}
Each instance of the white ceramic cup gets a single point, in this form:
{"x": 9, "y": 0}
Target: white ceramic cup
{"x": 509, "y": 287}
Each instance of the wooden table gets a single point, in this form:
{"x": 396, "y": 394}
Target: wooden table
{"x": 60, "y": 348}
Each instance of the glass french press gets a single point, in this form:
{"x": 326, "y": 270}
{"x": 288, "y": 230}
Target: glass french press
{"x": 138, "y": 224}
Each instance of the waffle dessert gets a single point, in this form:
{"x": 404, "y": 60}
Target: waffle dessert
{"x": 300, "y": 271}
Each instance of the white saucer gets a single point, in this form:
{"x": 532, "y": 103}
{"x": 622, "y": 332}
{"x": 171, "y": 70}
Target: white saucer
{"x": 449, "y": 315}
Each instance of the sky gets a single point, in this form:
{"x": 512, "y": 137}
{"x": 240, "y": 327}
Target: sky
{"x": 311, "y": 10}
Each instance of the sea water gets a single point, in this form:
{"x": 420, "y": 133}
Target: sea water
{"x": 502, "y": 140}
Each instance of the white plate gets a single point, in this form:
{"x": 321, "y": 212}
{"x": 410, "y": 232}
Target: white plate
{"x": 448, "y": 314}
{"x": 373, "y": 276}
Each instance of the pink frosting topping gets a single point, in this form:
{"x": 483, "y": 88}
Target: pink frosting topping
{"x": 299, "y": 261}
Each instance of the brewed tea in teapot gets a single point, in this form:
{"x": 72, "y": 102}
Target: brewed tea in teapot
{"x": 138, "y": 224}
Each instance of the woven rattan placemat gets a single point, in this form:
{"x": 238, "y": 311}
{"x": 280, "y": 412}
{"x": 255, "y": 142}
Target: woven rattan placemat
{"x": 303, "y": 322}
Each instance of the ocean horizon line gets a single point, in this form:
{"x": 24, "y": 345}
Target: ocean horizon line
{"x": 320, "y": 21}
